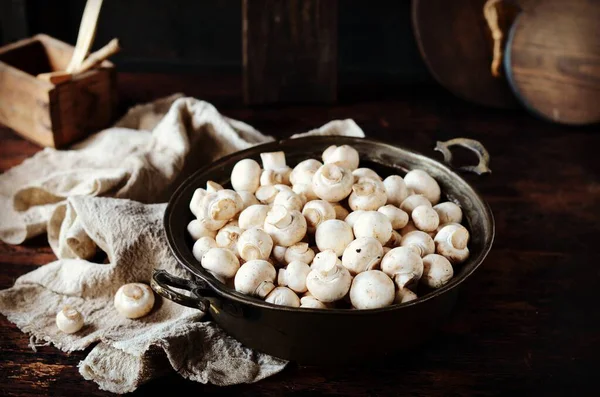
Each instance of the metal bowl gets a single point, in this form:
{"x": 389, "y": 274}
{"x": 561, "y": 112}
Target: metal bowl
{"x": 325, "y": 337}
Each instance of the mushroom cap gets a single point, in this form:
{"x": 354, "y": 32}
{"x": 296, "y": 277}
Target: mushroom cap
{"x": 437, "y": 271}
{"x": 362, "y": 254}
{"x": 398, "y": 217}
{"x": 196, "y": 201}
{"x": 290, "y": 200}
{"x": 304, "y": 171}
{"x": 245, "y": 175}
{"x": 448, "y": 212}
{"x": 256, "y": 278}
{"x": 284, "y": 297}
{"x": 425, "y": 218}
{"x": 413, "y": 201}
{"x": 332, "y": 183}
{"x": 228, "y": 237}
{"x": 395, "y": 240}
{"x": 373, "y": 224}
{"x": 248, "y": 199}
{"x": 371, "y": 290}
{"x": 275, "y": 176}
{"x": 306, "y": 190}
{"x": 254, "y": 243}
{"x": 278, "y": 254}
{"x": 420, "y": 242}
{"x": 266, "y": 194}
{"x": 220, "y": 262}
{"x": 299, "y": 252}
{"x": 69, "y": 320}
{"x": 423, "y": 183}
{"x": 403, "y": 265}
{"x": 202, "y": 245}
{"x": 344, "y": 155}
{"x": 312, "y": 303}
{"x": 222, "y": 205}
{"x": 340, "y": 212}
{"x": 451, "y": 242}
{"x": 395, "y": 189}
{"x": 273, "y": 160}
{"x": 198, "y": 229}
{"x": 325, "y": 259}
{"x": 294, "y": 276}
{"x": 317, "y": 211}
{"x": 253, "y": 216}
{"x": 330, "y": 283}
{"x": 286, "y": 227}
{"x": 134, "y": 300}
{"x": 368, "y": 194}
{"x": 353, "y": 216}
{"x": 365, "y": 173}
{"x": 404, "y": 295}
{"x": 335, "y": 235}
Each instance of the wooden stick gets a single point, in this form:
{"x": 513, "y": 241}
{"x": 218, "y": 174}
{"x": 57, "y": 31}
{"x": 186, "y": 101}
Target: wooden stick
{"x": 87, "y": 31}
{"x": 98, "y": 56}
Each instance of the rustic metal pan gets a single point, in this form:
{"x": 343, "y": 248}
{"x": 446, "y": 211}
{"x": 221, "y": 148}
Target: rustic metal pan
{"x": 326, "y": 337}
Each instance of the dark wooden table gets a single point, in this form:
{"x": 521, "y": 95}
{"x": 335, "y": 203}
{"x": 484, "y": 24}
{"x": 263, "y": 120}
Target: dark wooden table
{"x": 527, "y": 322}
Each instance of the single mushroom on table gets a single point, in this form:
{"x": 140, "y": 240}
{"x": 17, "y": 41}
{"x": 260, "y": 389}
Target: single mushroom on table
{"x": 134, "y": 300}
{"x": 371, "y": 290}
{"x": 255, "y": 278}
{"x": 69, "y": 320}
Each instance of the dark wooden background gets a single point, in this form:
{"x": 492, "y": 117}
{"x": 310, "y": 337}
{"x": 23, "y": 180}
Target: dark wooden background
{"x": 526, "y": 323}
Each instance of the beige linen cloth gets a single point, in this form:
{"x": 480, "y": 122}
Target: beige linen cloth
{"x": 98, "y": 197}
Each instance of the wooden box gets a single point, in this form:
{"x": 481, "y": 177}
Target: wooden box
{"x": 48, "y": 114}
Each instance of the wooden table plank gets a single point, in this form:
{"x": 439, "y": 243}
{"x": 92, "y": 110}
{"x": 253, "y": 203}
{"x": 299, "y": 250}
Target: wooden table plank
{"x": 525, "y": 323}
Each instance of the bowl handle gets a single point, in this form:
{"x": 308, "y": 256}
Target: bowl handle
{"x": 162, "y": 283}
{"x": 471, "y": 144}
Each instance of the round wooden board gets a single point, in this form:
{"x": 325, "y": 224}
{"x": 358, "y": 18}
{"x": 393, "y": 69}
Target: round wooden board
{"x": 456, "y": 45}
{"x": 552, "y": 60}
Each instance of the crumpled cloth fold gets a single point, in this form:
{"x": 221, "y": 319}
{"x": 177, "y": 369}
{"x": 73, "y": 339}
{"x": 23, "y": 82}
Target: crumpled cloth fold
{"x": 97, "y": 203}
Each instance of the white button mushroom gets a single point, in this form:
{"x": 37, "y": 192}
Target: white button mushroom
{"x": 198, "y": 229}
{"x": 267, "y": 194}
{"x": 413, "y": 201}
{"x": 325, "y": 259}
{"x": 352, "y": 217}
{"x": 395, "y": 190}
{"x": 222, "y": 205}
{"x": 306, "y": 190}
{"x": 299, "y": 252}
{"x": 273, "y": 160}
{"x": 420, "y": 242}
{"x": 371, "y": 290}
{"x": 365, "y": 173}
{"x": 284, "y": 297}
{"x": 437, "y": 271}
{"x": 228, "y": 237}
{"x": 335, "y": 235}
{"x": 310, "y": 302}
{"x": 134, "y": 300}
{"x": 196, "y": 201}
{"x": 451, "y": 242}
{"x": 294, "y": 276}
{"x": 410, "y": 227}
{"x": 362, "y": 254}
{"x": 448, "y": 212}
{"x": 398, "y": 217}
{"x": 278, "y": 254}
{"x": 345, "y": 156}
{"x": 367, "y": 195}
{"x": 317, "y": 211}
{"x": 69, "y": 320}
{"x": 220, "y": 262}
{"x": 253, "y": 244}
{"x": 404, "y": 295}
{"x": 425, "y": 218}
{"x": 403, "y": 265}
{"x": 329, "y": 283}
{"x": 248, "y": 199}
{"x": 202, "y": 245}
{"x": 212, "y": 187}
{"x": 395, "y": 240}
{"x": 255, "y": 278}
{"x": 289, "y": 200}
{"x": 245, "y": 175}
{"x": 285, "y": 227}
{"x": 253, "y": 216}
{"x": 422, "y": 183}
{"x": 332, "y": 183}
{"x": 373, "y": 224}
{"x": 340, "y": 212}
{"x": 275, "y": 177}
{"x": 386, "y": 250}
{"x": 304, "y": 171}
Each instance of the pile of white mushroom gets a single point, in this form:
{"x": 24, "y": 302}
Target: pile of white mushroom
{"x": 340, "y": 235}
